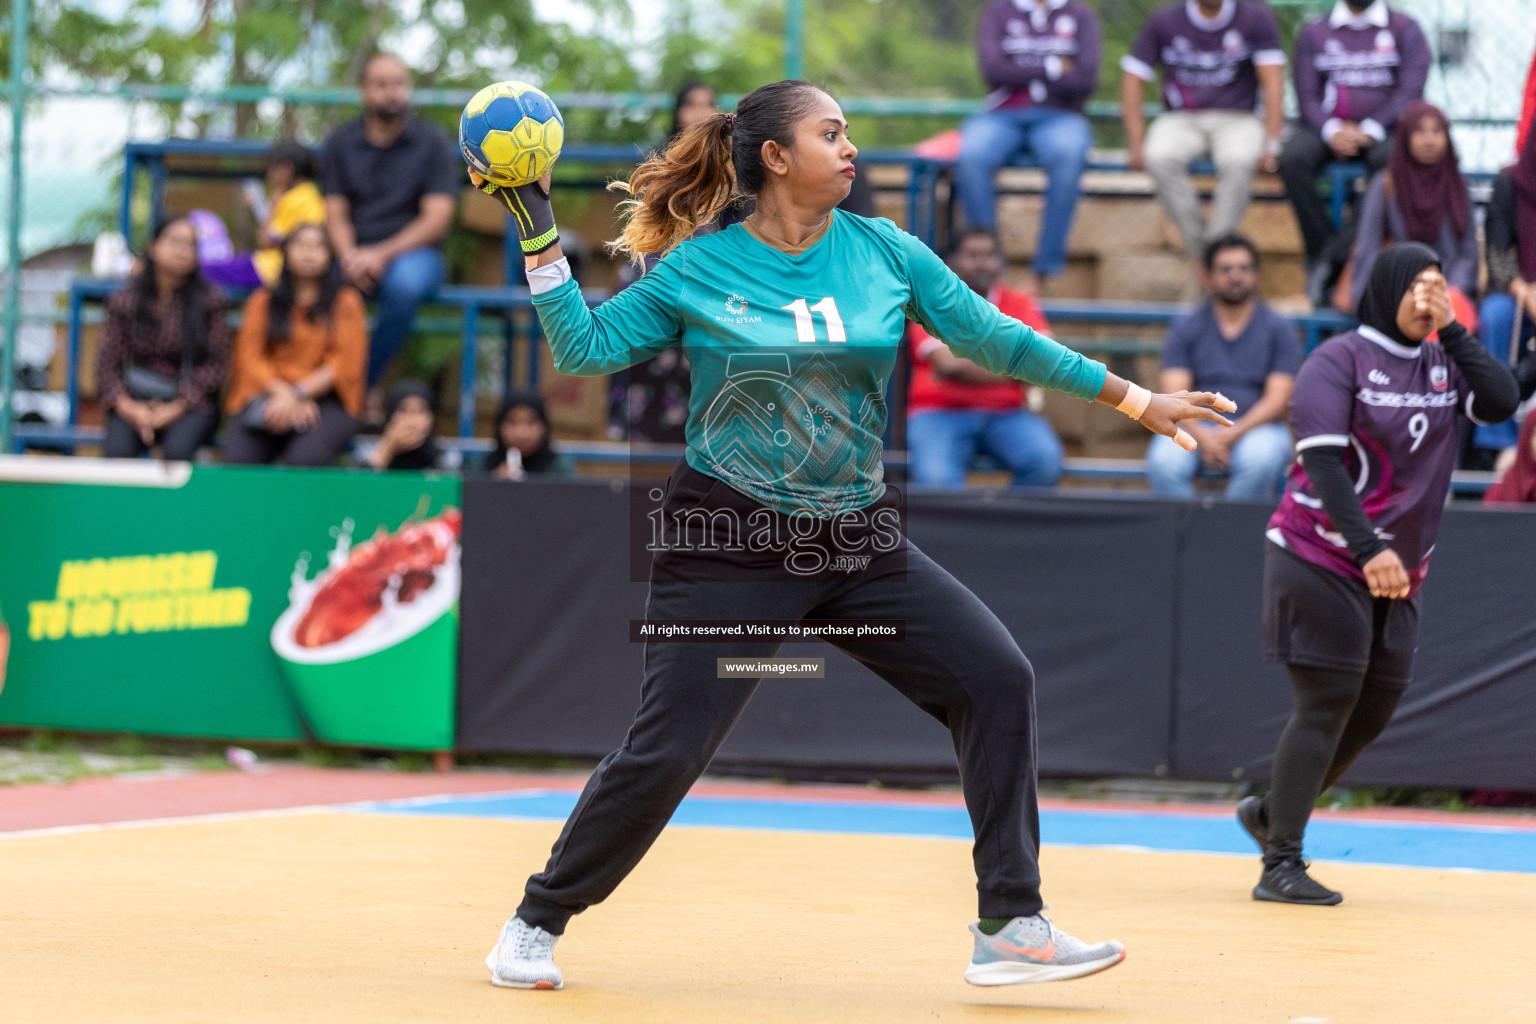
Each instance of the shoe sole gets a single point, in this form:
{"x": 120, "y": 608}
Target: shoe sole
{"x": 543, "y": 986}
{"x": 1013, "y": 972}
{"x": 1270, "y": 896}
{"x": 1258, "y": 835}
{"x": 500, "y": 982}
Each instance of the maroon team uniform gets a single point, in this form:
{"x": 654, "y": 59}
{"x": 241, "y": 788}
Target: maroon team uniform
{"x": 1393, "y": 409}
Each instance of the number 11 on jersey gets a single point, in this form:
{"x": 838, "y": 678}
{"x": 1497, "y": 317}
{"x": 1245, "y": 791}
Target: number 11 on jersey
{"x": 805, "y": 324}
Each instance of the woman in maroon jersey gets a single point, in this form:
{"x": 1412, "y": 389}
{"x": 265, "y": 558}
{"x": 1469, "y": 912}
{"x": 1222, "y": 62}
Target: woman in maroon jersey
{"x": 1375, "y": 416}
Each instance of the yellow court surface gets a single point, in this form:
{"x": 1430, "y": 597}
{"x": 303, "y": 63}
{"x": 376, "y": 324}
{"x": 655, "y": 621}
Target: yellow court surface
{"x": 341, "y": 916}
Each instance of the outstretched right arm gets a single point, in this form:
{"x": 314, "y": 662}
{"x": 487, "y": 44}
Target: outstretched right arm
{"x": 629, "y": 328}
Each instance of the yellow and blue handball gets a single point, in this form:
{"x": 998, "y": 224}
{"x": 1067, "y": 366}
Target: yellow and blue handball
{"x": 510, "y": 133}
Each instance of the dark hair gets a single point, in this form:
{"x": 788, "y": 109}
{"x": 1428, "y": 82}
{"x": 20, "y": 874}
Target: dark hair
{"x": 193, "y": 293}
{"x": 284, "y": 293}
{"x": 536, "y": 461}
{"x": 688, "y": 87}
{"x": 705, "y": 167}
{"x": 1226, "y": 242}
{"x": 425, "y": 456}
{"x": 971, "y": 231}
{"x": 296, "y": 155}
{"x": 379, "y": 55}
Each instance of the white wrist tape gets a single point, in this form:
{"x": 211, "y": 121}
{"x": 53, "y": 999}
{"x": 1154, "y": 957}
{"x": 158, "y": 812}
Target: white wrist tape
{"x": 1135, "y": 402}
{"x": 549, "y": 277}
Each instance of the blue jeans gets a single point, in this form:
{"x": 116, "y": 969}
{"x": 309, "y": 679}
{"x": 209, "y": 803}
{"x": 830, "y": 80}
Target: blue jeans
{"x": 412, "y": 278}
{"x": 1258, "y": 459}
{"x": 941, "y": 443}
{"x": 1059, "y": 141}
{"x": 1496, "y": 324}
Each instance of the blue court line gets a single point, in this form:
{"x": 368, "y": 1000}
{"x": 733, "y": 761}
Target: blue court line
{"x": 1426, "y": 845}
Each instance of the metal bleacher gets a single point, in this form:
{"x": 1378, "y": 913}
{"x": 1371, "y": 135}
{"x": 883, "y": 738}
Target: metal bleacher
{"x": 159, "y": 162}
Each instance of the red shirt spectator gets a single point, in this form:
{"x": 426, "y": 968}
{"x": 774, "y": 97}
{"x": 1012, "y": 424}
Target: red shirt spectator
{"x": 929, "y": 392}
{"x": 1518, "y": 484}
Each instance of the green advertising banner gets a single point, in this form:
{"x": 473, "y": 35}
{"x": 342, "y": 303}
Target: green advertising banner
{"x": 232, "y": 602}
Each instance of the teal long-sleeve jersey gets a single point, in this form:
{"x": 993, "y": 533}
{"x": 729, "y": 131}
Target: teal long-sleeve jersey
{"x": 790, "y": 354}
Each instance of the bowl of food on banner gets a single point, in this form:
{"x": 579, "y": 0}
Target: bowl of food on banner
{"x": 362, "y": 642}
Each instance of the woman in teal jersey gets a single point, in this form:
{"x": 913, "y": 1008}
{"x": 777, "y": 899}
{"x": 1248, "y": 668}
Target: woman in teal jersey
{"x": 792, "y": 321}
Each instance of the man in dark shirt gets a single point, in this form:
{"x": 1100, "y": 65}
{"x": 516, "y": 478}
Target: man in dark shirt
{"x": 1237, "y": 345}
{"x": 391, "y": 181}
{"x": 1356, "y": 70}
{"x": 1040, "y": 58}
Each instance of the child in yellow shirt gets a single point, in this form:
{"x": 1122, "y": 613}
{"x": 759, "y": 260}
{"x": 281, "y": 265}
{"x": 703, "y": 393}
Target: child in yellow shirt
{"x": 296, "y": 201}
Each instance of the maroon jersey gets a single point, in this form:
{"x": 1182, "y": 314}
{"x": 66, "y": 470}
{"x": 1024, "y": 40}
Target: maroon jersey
{"x": 1393, "y": 409}
{"x": 1208, "y": 63}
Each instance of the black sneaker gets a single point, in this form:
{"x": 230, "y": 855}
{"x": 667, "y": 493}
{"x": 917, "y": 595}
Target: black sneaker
{"x": 1250, "y": 815}
{"x": 1288, "y": 882}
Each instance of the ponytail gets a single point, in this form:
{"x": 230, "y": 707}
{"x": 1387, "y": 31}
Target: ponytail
{"x": 671, "y": 194}
{"x": 705, "y": 167}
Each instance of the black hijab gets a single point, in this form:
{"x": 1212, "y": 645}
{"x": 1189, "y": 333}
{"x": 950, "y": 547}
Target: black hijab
{"x": 1392, "y": 275}
{"x": 426, "y": 456}
{"x": 536, "y": 461}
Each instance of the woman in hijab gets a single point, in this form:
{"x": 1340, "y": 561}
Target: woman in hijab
{"x": 1420, "y": 197}
{"x": 407, "y": 442}
{"x": 1375, "y": 415}
{"x": 1509, "y": 311}
{"x": 522, "y": 441}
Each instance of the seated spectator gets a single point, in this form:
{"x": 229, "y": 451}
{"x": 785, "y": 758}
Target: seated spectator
{"x": 1356, "y": 69}
{"x": 522, "y": 441}
{"x": 296, "y": 388}
{"x": 1040, "y": 58}
{"x": 410, "y": 415}
{"x": 1420, "y": 197}
{"x": 1216, "y": 56}
{"x": 164, "y": 352}
{"x": 957, "y": 408}
{"x": 1508, "y": 314}
{"x": 391, "y": 183}
{"x": 1237, "y": 345}
{"x": 294, "y": 202}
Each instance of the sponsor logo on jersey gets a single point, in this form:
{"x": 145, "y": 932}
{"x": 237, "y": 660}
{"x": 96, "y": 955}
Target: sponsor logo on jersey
{"x": 736, "y": 305}
{"x": 1066, "y": 26}
{"x": 1377, "y": 377}
{"x": 1398, "y": 400}
{"x": 1232, "y": 42}
{"x": 1439, "y": 378}
{"x": 1385, "y": 43}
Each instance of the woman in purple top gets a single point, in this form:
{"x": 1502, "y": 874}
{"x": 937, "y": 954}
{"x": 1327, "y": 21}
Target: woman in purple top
{"x": 1375, "y": 415}
{"x": 1420, "y": 197}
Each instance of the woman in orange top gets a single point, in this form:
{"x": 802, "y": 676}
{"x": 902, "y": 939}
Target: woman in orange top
{"x": 296, "y": 386}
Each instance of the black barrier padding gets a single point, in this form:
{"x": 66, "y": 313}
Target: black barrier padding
{"x": 544, "y": 666}
{"x": 1046, "y": 568}
{"x": 1141, "y": 618}
{"x": 1086, "y": 587}
{"x": 1229, "y": 706}
{"x": 547, "y": 668}
{"x": 1468, "y": 720}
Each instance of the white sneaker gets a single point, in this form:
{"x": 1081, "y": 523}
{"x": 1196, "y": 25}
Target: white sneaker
{"x": 1032, "y": 949}
{"x": 523, "y": 957}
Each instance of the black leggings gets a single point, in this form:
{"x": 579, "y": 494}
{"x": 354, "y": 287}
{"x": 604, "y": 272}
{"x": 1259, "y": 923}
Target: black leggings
{"x": 1337, "y": 715}
{"x": 958, "y": 663}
